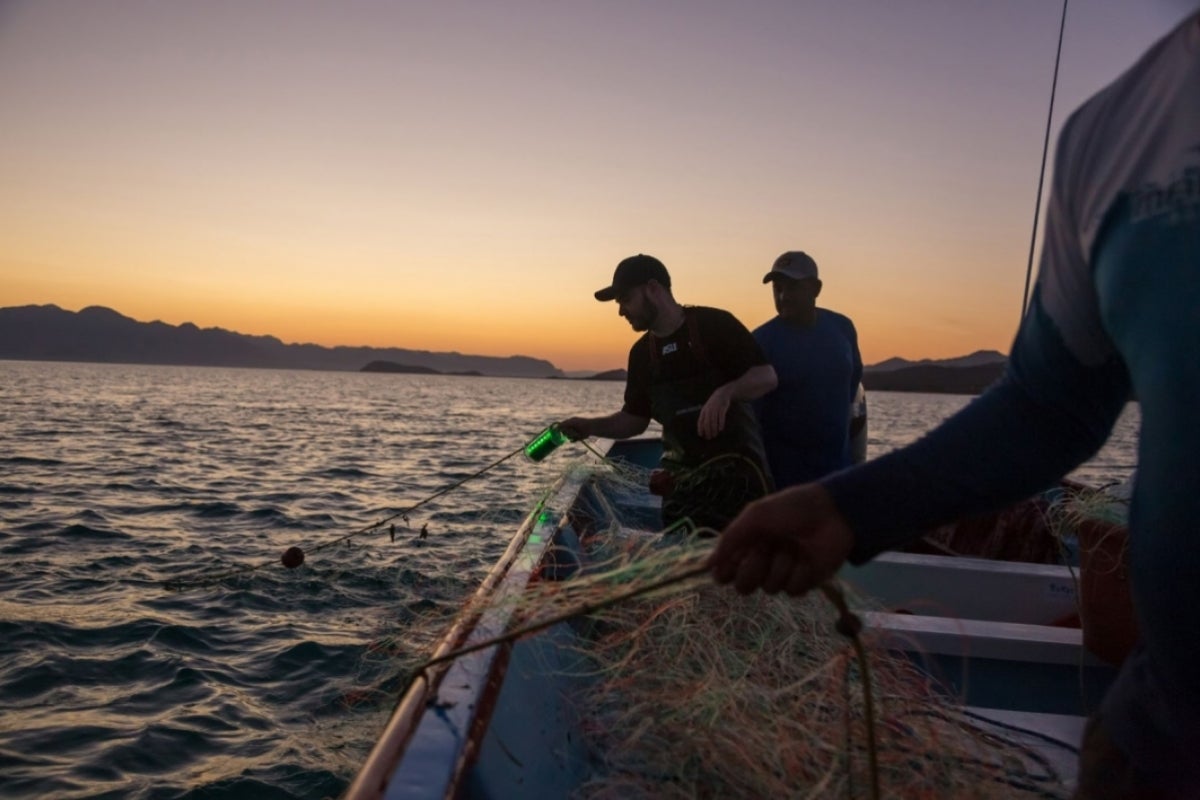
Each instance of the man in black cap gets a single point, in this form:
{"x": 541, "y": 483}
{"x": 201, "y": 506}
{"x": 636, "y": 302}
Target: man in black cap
{"x": 694, "y": 370}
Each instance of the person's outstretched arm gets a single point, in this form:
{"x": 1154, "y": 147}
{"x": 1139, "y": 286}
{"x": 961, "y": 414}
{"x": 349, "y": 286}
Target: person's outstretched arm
{"x": 1048, "y": 414}
{"x": 620, "y": 425}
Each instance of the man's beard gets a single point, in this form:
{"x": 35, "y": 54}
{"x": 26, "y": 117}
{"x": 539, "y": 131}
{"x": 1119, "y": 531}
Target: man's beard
{"x": 645, "y": 320}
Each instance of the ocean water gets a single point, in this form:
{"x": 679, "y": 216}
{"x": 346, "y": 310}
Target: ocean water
{"x": 116, "y": 480}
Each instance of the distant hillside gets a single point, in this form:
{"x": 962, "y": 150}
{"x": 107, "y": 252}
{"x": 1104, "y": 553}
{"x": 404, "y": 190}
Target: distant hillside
{"x": 934, "y": 379}
{"x": 969, "y": 374}
{"x": 977, "y": 359}
{"x": 607, "y": 375}
{"x": 409, "y": 369}
{"x": 610, "y": 375}
{"x": 48, "y": 333}
{"x": 392, "y": 366}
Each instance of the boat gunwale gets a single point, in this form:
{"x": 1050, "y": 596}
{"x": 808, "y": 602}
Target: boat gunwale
{"x": 381, "y": 763}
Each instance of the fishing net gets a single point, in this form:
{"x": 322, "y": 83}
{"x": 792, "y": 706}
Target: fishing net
{"x": 695, "y": 691}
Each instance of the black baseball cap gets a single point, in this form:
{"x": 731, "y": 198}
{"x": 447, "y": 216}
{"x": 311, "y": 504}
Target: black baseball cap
{"x": 634, "y": 271}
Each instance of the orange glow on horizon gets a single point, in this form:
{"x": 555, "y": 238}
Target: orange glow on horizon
{"x": 578, "y": 334}
{"x": 385, "y": 178}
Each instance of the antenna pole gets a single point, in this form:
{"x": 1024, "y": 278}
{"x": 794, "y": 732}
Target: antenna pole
{"x": 1037, "y": 204}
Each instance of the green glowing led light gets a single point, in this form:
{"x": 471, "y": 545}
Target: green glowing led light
{"x": 545, "y": 443}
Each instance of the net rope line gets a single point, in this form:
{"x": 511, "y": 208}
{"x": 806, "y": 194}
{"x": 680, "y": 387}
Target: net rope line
{"x": 374, "y": 527}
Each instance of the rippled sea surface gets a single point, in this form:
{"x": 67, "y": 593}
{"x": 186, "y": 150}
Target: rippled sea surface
{"x": 270, "y": 683}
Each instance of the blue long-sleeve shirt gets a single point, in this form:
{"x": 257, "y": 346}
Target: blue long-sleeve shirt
{"x": 806, "y": 418}
{"x": 1115, "y": 314}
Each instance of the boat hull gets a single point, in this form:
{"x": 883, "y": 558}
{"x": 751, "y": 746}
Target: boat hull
{"x": 496, "y": 722}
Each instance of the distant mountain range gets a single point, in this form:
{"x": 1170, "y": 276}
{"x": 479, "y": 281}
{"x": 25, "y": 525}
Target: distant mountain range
{"x": 48, "y": 333}
{"x": 963, "y": 375}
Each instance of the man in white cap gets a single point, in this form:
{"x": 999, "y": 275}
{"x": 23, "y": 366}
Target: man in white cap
{"x": 806, "y": 419}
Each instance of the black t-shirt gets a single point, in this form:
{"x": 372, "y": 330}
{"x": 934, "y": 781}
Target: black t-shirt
{"x": 726, "y": 344}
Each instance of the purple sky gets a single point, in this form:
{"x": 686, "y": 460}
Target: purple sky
{"x": 462, "y": 176}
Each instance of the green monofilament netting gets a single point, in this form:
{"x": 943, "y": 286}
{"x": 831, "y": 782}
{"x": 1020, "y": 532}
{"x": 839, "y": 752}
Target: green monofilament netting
{"x": 696, "y": 691}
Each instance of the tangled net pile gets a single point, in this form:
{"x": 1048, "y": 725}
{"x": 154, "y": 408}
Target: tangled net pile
{"x": 698, "y": 692}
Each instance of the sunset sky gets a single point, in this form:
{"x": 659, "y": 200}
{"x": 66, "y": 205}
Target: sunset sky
{"x": 462, "y": 176}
